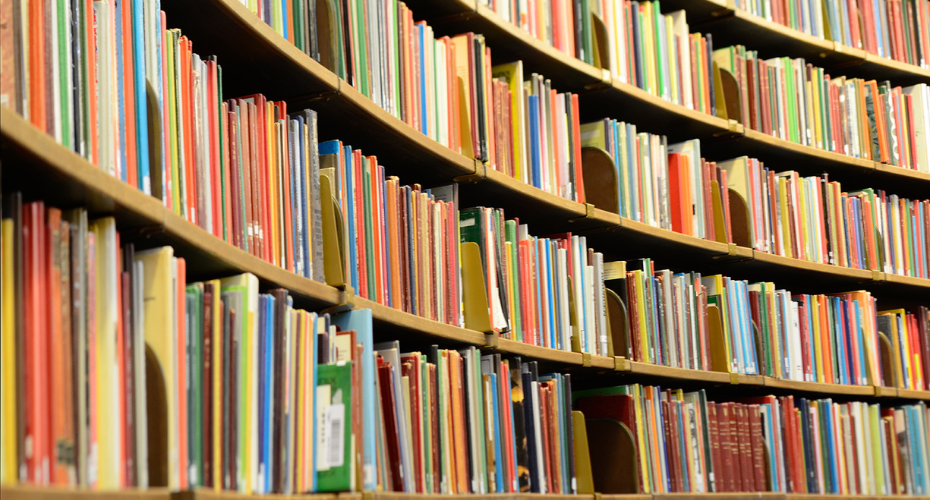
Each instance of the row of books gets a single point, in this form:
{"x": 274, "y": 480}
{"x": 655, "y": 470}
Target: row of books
{"x": 813, "y": 219}
{"x": 118, "y": 373}
{"x": 793, "y": 100}
{"x": 447, "y": 88}
{"x": 688, "y": 320}
{"x": 402, "y": 250}
{"x": 635, "y": 41}
{"x": 672, "y": 187}
{"x": 685, "y": 443}
{"x": 896, "y": 29}
{"x": 92, "y": 92}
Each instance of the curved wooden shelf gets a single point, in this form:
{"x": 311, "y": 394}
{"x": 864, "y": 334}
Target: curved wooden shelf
{"x": 731, "y": 26}
{"x": 68, "y": 180}
{"x": 27, "y": 492}
{"x": 344, "y": 112}
{"x": 651, "y": 113}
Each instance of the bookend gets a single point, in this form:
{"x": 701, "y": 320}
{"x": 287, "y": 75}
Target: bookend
{"x": 585, "y": 481}
{"x": 719, "y": 354}
{"x": 466, "y": 145}
{"x": 474, "y": 290}
{"x": 600, "y": 173}
{"x": 618, "y": 320}
{"x": 613, "y": 456}
{"x": 720, "y": 225}
{"x": 727, "y": 93}
{"x": 156, "y": 413}
{"x": 154, "y": 139}
{"x": 599, "y": 42}
{"x": 889, "y": 375}
{"x": 573, "y": 318}
{"x": 739, "y": 220}
{"x": 328, "y": 36}
{"x": 333, "y": 236}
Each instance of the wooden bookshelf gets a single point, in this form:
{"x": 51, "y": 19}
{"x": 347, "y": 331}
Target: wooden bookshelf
{"x": 720, "y": 139}
{"x": 68, "y": 180}
{"x": 730, "y": 25}
{"x": 26, "y": 492}
{"x": 36, "y": 493}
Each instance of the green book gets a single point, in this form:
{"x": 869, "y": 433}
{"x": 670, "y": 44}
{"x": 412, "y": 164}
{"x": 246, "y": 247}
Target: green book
{"x": 334, "y": 455}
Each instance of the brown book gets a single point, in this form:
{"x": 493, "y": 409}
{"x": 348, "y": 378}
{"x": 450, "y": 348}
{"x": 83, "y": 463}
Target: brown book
{"x": 390, "y": 423}
{"x": 745, "y": 449}
{"x": 716, "y": 460}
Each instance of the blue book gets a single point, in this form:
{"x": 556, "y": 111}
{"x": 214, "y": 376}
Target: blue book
{"x": 350, "y": 226}
{"x": 142, "y": 127}
{"x": 548, "y": 273}
{"x": 498, "y": 457}
{"x": 535, "y": 170}
{"x": 360, "y": 321}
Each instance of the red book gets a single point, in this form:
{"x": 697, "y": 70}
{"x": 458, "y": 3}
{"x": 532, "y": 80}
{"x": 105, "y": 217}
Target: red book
{"x": 671, "y": 445}
{"x": 37, "y": 65}
{"x": 390, "y": 423}
{"x": 675, "y": 194}
{"x": 728, "y": 471}
{"x": 35, "y": 337}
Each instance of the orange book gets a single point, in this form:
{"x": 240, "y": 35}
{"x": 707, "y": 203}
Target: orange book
{"x": 457, "y": 390}
{"x": 378, "y": 223}
{"x": 576, "y": 133}
{"x": 393, "y": 226}
{"x": 37, "y": 67}
{"x": 59, "y": 439}
{"x": 181, "y": 390}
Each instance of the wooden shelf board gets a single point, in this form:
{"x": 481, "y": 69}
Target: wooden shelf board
{"x": 853, "y": 173}
{"x": 650, "y": 370}
{"x": 68, "y": 180}
{"x": 736, "y": 26}
{"x": 913, "y": 394}
{"x": 28, "y": 492}
{"x": 830, "y": 389}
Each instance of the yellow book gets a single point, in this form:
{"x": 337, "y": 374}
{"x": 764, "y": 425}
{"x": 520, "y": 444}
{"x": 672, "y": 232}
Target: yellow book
{"x": 159, "y": 313}
{"x": 784, "y": 216}
{"x": 109, "y": 443}
{"x": 644, "y": 468}
{"x": 641, "y": 307}
{"x": 875, "y": 430}
{"x": 672, "y": 67}
{"x": 512, "y": 73}
{"x": 8, "y": 362}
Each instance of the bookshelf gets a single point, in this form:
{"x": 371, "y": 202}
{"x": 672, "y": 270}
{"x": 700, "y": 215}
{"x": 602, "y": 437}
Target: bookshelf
{"x": 243, "y": 42}
{"x": 733, "y": 25}
{"x": 71, "y": 180}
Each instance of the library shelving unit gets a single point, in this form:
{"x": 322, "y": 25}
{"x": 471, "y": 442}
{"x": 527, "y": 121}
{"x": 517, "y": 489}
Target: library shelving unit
{"x": 256, "y": 59}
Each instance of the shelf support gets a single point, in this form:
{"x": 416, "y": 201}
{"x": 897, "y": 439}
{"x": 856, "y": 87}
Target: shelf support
{"x": 586, "y": 359}
{"x": 622, "y": 364}
{"x": 734, "y": 378}
{"x": 480, "y": 174}
{"x": 491, "y": 341}
{"x": 346, "y": 302}
{"x": 588, "y": 213}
